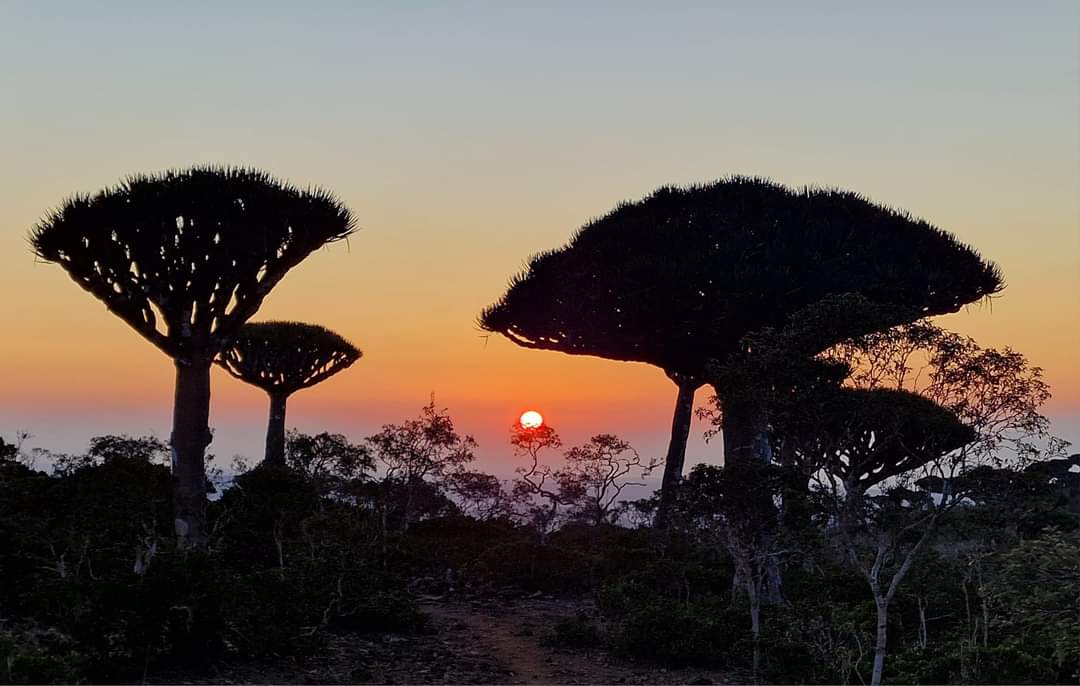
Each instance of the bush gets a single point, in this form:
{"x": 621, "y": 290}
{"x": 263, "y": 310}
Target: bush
{"x": 34, "y": 656}
{"x": 576, "y": 632}
{"x": 962, "y": 662}
{"x": 702, "y": 633}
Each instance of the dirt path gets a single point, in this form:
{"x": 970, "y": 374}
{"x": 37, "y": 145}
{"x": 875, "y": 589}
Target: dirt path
{"x": 479, "y": 640}
{"x": 512, "y": 633}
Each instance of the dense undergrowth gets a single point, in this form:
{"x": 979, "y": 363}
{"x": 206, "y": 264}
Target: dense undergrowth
{"x": 95, "y": 591}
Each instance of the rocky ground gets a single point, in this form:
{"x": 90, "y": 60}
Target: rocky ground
{"x": 473, "y": 640}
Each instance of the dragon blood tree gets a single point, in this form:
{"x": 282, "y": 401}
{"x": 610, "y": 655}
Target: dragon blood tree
{"x": 678, "y": 279}
{"x": 282, "y": 358}
{"x": 185, "y": 258}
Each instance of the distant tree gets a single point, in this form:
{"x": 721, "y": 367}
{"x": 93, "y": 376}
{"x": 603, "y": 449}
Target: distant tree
{"x": 329, "y": 460}
{"x": 14, "y": 452}
{"x": 282, "y": 358}
{"x": 478, "y": 494}
{"x": 9, "y": 452}
{"x": 186, "y": 258}
{"x": 595, "y": 475}
{"x": 143, "y": 448}
{"x": 536, "y": 488}
{"x": 678, "y": 279}
{"x": 105, "y": 449}
{"x": 421, "y": 450}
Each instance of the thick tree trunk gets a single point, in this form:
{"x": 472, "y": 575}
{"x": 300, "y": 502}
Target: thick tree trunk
{"x": 882, "y": 640}
{"x": 275, "y": 430}
{"x": 746, "y": 439}
{"x": 746, "y": 429}
{"x": 190, "y": 436}
{"x": 676, "y": 453}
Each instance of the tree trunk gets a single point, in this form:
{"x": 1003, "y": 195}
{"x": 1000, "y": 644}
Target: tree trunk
{"x": 676, "y": 453}
{"x": 275, "y": 430}
{"x": 190, "y": 436}
{"x": 746, "y": 438}
{"x": 755, "y": 620}
{"x": 746, "y": 429}
{"x": 882, "y": 639}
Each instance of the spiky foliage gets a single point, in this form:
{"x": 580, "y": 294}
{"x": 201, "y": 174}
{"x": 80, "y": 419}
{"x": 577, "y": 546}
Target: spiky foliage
{"x": 186, "y": 257}
{"x": 681, "y": 276}
{"x": 284, "y": 357}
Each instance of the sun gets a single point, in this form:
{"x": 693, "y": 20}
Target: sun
{"x": 531, "y": 419}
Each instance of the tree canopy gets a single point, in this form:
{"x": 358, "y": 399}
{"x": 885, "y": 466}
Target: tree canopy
{"x": 865, "y": 437}
{"x": 285, "y": 357}
{"x": 187, "y": 256}
{"x": 680, "y": 277}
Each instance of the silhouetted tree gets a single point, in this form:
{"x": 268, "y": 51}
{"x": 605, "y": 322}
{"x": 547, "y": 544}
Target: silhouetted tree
{"x": 9, "y": 452}
{"x": 185, "y": 258}
{"x": 105, "y": 449}
{"x": 678, "y": 279}
{"x": 427, "y": 448}
{"x": 282, "y": 358}
{"x": 536, "y": 487}
{"x": 330, "y": 461}
{"x": 595, "y": 475}
{"x": 478, "y": 494}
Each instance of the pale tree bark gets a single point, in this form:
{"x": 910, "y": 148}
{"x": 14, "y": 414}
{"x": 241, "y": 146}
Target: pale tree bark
{"x": 275, "y": 430}
{"x": 883, "y": 600}
{"x": 190, "y": 436}
{"x": 882, "y": 639}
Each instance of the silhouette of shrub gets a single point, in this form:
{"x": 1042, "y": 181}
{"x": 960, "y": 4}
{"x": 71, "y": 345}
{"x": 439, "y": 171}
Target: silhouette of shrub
{"x": 453, "y": 543}
{"x": 531, "y": 566}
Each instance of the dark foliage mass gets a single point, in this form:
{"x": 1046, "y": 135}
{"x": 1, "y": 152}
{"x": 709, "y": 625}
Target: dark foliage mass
{"x": 680, "y": 277}
{"x": 186, "y": 257}
{"x": 285, "y": 357}
{"x": 97, "y": 589}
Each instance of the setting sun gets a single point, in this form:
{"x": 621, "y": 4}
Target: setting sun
{"x": 531, "y": 419}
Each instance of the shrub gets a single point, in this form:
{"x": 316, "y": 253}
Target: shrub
{"x": 703, "y": 633}
{"x": 576, "y": 632}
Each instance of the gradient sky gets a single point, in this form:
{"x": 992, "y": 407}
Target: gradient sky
{"x": 467, "y": 136}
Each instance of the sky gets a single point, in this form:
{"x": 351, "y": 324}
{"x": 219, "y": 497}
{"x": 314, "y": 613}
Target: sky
{"x": 467, "y": 136}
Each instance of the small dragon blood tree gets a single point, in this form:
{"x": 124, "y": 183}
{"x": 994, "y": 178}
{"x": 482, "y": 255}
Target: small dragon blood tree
{"x": 282, "y": 358}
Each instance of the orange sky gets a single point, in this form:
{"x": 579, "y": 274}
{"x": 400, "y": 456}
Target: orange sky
{"x": 491, "y": 136}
